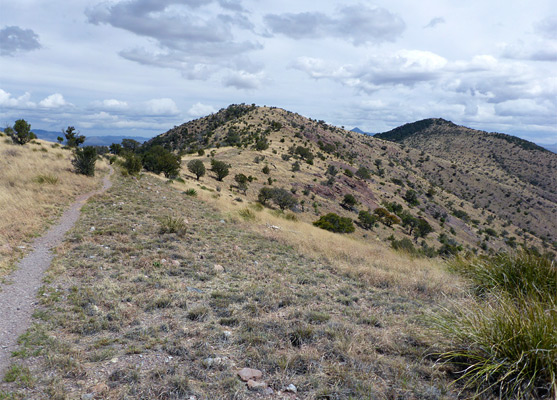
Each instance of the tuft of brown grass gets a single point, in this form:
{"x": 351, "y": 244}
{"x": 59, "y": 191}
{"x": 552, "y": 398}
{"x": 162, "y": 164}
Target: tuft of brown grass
{"x": 34, "y": 189}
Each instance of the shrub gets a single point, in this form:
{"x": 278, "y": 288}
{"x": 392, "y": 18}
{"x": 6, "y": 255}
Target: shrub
{"x": 84, "y": 160}
{"x": 169, "y": 224}
{"x": 265, "y": 194}
{"x": 247, "y": 214}
{"x": 335, "y": 223}
{"x": 348, "y": 173}
{"x": 296, "y": 166}
{"x": 191, "y": 192}
{"x": 366, "y": 220}
{"x": 45, "y": 178}
{"x": 242, "y": 182}
{"x": 411, "y": 197}
{"x": 506, "y": 340}
{"x": 220, "y": 168}
{"x": 197, "y": 168}
{"x": 405, "y": 245}
{"x": 266, "y": 170}
{"x": 158, "y": 159}
{"x": 132, "y": 163}
{"x": 363, "y": 173}
{"x": 349, "y": 201}
{"x": 283, "y": 198}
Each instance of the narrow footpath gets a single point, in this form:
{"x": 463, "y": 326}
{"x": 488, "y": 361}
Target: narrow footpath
{"x": 18, "y": 298}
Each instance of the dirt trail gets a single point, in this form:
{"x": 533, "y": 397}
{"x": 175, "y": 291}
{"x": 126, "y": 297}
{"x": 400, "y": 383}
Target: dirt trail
{"x": 18, "y": 298}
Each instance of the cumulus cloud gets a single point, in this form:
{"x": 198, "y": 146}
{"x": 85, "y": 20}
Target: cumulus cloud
{"x": 405, "y": 67}
{"x": 434, "y": 22}
{"x": 186, "y": 38}
{"x": 200, "y": 110}
{"x": 243, "y": 80}
{"x": 164, "y": 106}
{"x": 359, "y": 24}
{"x": 55, "y": 100}
{"x": 23, "y": 101}
{"x": 13, "y": 39}
{"x": 545, "y": 51}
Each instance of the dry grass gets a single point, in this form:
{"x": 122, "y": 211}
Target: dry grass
{"x": 370, "y": 261}
{"x": 130, "y": 312}
{"x": 36, "y": 183}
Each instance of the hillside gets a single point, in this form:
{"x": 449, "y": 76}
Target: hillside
{"x": 512, "y": 177}
{"x": 468, "y": 204}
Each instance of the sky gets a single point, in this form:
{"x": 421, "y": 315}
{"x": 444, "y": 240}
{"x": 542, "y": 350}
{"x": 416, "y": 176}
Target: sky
{"x": 140, "y": 67}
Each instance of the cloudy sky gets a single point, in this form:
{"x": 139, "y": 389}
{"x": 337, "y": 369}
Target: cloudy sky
{"x": 139, "y": 67}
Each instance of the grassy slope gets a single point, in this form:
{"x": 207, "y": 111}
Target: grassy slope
{"x": 128, "y": 312}
{"x": 36, "y": 183}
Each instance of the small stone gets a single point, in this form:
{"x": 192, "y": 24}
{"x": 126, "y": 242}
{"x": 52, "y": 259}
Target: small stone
{"x": 227, "y": 334}
{"x": 218, "y": 268}
{"x": 87, "y": 396}
{"x": 255, "y": 385}
{"x": 114, "y": 360}
{"x": 176, "y": 263}
{"x": 268, "y": 391}
{"x": 291, "y": 388}
{"x": 92, "y": 229}
{"x": 222, "y": 221}
{"x": 247, "y": 374}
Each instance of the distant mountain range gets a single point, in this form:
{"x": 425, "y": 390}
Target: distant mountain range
{"x": 52, "y": 136}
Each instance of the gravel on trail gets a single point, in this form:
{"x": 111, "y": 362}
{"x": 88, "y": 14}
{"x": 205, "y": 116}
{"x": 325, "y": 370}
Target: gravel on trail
{"x": 19, "y": 296}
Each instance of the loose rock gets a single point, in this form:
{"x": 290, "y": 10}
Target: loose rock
{"x": 247, "y": 374}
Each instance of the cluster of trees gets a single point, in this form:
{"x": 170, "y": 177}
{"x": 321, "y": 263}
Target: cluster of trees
{"x": 84, "y": 158}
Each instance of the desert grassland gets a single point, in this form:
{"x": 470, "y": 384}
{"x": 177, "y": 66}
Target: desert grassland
{"x": 365, "y": 259}
{"x": 36, "y": 183}
{"x": 135, "y": 309}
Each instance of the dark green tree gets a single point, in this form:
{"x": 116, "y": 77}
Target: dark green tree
{"x": 220, "y": 168}
{"x": 242, "y": 182}
{"x": 363, "y": 173}
{"x": 266, "y": 169}
{"x": 73, "y": 138}
{"x": 335, "y": 223}
{"x": 84, "y": 160}
{"x": 132, "y": 163}
{"x": 349, "y": 201}
{"x": 283, "y": 198}
{"x": 366, "y": 219}
{"x": 130, "y": 145}
{"x": 115, "y": 148}
{"x": 265, "y": 194}
{"x": 157, "y": 159}
{"x": 23, "y": 132}
{"x": 197, "y": 168}
{"x": 411, "y": 197}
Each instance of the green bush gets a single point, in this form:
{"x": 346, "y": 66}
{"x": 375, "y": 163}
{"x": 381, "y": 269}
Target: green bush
{"x": 335, "y": 223}
{"x": 506, "y": 339}
{"x": 84, "y": 160}
{"x": 366, "y": 220}
{"x": 132, "y": 163}
{"x": 158, "y": 159}
{"x": 191, "y": 192}
{"x": 22, "y": 133}
{"x": 197, "y": 168}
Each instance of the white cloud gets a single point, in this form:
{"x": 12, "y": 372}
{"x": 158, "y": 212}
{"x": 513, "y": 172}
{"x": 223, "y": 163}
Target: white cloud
{"x": 200, "y": 110}
{"x": 55, "y": 100}
{"x": 243, "y": 80}
{"x": 163, "y": 106}
{"x": 111, "y": 104}
{"x": 23, "y": 101}
{"x": 13, "y": 40}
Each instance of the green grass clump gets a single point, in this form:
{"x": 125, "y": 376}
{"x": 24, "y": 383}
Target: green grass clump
{"x": 520, "y": 273}
{"x": 170, "y": 224}
{"x": 50, "y": 179}
{"x": 505, "y": 339}
{"x": 191, "y": 192}
{"x": 247, "y": 214}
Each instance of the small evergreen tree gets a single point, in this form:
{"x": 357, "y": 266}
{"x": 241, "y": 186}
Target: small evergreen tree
{"x": 23, "y": 132}
{"x": 283, "y": 198}
{"x": 411, "y": 197}
{"x": 73, "y": 138}
{"x": 349, "y": 201}
{"x": 366, "y": 219}
{"x": 242, "y": 182}
{"x": 158, "y": 159}
{"x": 84, "y": 160}
{"x": 220, "y": 168}
{"x": 265, "y": 194}
{"x": 197, "y": 168}
{"x": 266, "y": 169}
{"x": 132, "y": 163}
